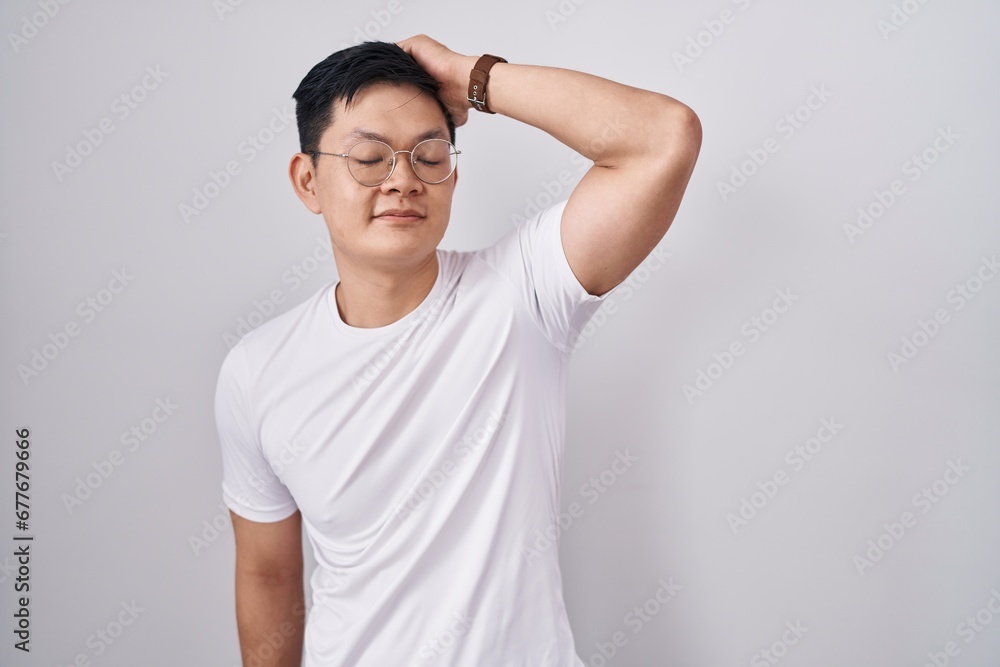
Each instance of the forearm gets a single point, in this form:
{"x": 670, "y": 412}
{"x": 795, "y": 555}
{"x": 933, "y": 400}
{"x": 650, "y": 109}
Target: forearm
{"x": 270, "y": 615}
{"x": 607, "y": 122}
{"x": 644, "y": 146}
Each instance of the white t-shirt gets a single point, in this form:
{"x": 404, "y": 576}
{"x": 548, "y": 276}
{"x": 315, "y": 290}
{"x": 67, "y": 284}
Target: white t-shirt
{"x": 425, "y": 457}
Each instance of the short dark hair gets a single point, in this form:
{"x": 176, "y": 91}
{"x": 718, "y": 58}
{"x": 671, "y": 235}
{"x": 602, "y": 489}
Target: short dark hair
{"x": 347, "y": 72}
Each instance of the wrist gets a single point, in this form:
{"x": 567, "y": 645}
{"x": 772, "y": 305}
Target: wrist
{"x": 462, "y": 74}
{"x": 478, "y": 90}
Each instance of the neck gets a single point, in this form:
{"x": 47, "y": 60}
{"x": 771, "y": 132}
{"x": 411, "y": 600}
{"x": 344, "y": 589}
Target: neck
{"x": 369, "y": 297}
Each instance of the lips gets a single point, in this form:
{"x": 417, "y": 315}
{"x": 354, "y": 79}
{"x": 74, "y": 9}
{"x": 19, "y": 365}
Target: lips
{"x": 400, "y": 214}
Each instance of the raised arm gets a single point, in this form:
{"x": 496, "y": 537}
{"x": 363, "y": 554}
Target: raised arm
{"x": 644, "y": 146}
{"x": 270, "y": 602}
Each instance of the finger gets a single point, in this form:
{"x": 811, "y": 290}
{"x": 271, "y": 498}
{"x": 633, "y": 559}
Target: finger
{"x": 405, "y": 44}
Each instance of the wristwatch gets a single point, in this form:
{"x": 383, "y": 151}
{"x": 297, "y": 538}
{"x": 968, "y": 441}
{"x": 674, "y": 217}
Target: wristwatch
{"x": 478, "y": 79}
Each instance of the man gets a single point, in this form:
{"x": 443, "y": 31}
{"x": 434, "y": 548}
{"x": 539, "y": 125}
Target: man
{"x": 411, "y": 416}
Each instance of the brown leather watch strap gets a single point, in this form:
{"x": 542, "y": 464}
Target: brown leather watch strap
{"x": 478, "y": 79}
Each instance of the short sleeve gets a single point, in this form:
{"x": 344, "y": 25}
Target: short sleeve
{"x": 250, "y": 487}
{"x": 532, "y": 258}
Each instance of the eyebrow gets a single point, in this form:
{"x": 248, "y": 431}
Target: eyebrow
{"x": 361, "y": 133}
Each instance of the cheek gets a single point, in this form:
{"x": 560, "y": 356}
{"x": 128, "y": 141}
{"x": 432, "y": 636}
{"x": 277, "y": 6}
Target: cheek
{"x": 443, "y": 203}
{"x": 349, "y": 208}
{"x": 344, "y": 211}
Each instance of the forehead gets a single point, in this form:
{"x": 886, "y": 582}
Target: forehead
{"x": 391, "y": 114}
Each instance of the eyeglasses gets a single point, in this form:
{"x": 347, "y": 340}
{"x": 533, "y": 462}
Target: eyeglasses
{"x": 371, "y": 163}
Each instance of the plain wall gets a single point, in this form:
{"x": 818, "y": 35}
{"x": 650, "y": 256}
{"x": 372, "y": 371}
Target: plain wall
{"x": 812, "y": 114}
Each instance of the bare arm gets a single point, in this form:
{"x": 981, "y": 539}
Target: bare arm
{"x": 644, "y": 146}
{"x": 270, "y": 603}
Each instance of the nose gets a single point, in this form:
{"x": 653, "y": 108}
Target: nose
{"x": 402, "y": 178}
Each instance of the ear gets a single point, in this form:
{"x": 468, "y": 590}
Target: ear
{"x": 304, "y": 181}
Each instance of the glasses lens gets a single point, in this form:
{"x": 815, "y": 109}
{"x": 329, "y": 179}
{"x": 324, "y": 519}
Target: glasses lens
{"x": 434, "y": 160}
{"x": 369, "y": 162}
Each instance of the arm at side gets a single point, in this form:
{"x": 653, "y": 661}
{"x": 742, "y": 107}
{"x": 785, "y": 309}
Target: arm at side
{"x": 270, "y": 602}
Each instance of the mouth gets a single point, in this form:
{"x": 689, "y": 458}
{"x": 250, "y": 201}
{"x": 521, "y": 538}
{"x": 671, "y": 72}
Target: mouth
{"x": 400, "y": 216}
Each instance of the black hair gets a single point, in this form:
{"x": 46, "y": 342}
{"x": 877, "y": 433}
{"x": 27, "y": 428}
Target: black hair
{"x": 347, "y": 72}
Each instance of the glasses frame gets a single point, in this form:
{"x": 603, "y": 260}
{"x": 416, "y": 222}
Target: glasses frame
{"x": 392, "y": 167}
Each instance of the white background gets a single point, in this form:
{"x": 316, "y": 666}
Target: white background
{"x": 134, "y": 538}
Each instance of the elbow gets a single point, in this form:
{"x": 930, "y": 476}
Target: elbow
{"x": 673, "y": 139}
{"x": 684, "y": 133}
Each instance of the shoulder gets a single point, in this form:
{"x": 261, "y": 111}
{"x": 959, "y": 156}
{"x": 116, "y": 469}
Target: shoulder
{"x": 282, "y": 330}
{"x": 530, "y": 244}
